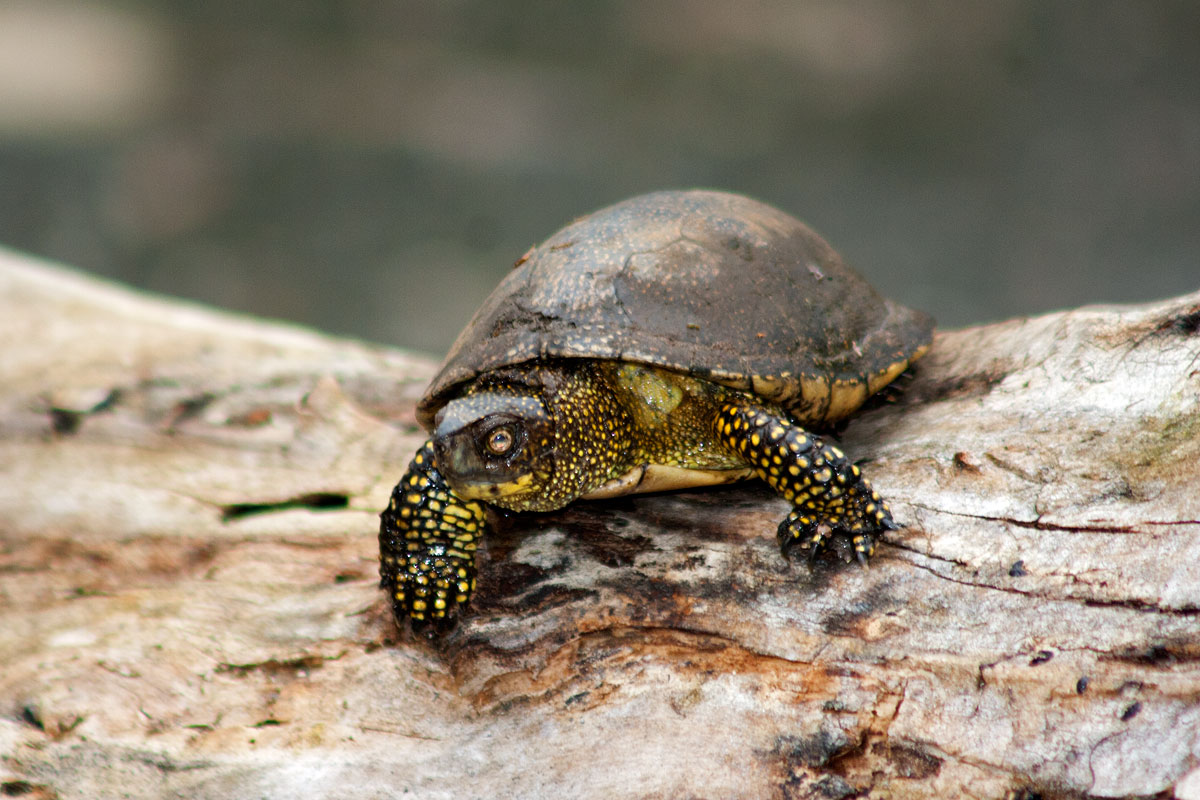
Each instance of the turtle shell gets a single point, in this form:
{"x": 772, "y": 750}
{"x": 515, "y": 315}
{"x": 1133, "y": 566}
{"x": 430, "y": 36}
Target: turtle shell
{"x": 712, "y": 284}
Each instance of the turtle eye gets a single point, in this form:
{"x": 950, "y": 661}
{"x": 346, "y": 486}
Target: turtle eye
{"x": 500, "y": 440}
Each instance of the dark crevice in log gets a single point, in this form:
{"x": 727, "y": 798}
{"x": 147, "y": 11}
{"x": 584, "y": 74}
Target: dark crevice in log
{"x": 317, "y": 501}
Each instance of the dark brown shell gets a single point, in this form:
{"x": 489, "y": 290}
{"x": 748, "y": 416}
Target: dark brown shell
{"x": 712, "y": 284}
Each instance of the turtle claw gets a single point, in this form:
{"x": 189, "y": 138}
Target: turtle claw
{"x": 799, "y": 531}
{"x": 431, "y": 629}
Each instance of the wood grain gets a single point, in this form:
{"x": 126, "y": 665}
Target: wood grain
{"x": 188, "y": 598}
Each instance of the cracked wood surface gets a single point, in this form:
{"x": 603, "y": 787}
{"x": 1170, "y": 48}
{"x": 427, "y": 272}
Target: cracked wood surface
{"x": 188, "y": 601}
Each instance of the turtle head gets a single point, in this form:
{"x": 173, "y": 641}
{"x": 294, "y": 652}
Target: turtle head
{"x": 496, "y": 444}
{"x": 531, "y": 439}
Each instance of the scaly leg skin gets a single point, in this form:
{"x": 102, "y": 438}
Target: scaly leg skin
{"x": 427, "y": 541}
{"x": 831, "y": 496}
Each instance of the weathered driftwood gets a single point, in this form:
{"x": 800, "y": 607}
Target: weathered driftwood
{"x": 188, "y": 601}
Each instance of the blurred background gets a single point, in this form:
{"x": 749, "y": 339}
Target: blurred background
{"x": 373, "y": 167}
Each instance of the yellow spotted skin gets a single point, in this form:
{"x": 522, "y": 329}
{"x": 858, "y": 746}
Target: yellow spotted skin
{"x": 830, "y": 494}
{"x": 427, "y": 542}
{"x": 591, "y": 432}
{"x": 573, "y": 426}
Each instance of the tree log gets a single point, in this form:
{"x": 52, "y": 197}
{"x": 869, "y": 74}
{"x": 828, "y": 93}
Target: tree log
{"x": 189, "y": 602}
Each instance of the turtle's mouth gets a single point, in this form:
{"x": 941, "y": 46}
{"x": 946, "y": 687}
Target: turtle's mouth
{"x": 492, "y": 491}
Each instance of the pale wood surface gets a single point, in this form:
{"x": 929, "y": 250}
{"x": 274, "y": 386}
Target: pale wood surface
{"x": 1035, "y": 628}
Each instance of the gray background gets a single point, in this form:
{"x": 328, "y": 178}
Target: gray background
{"x": 373, "y": 167}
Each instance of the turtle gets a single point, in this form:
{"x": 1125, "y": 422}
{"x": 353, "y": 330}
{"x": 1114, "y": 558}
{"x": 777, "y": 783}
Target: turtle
{"x": 673, "y": 340}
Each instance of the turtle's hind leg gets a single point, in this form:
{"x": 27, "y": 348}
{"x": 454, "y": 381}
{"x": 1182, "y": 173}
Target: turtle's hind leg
{"x": 830, "y": 494}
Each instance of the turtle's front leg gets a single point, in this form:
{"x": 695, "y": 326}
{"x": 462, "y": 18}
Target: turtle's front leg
{"x": 427, "y": 541}
{"x": 830, "y": 494}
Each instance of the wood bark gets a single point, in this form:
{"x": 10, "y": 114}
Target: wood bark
{"x": 189, "y": 602}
